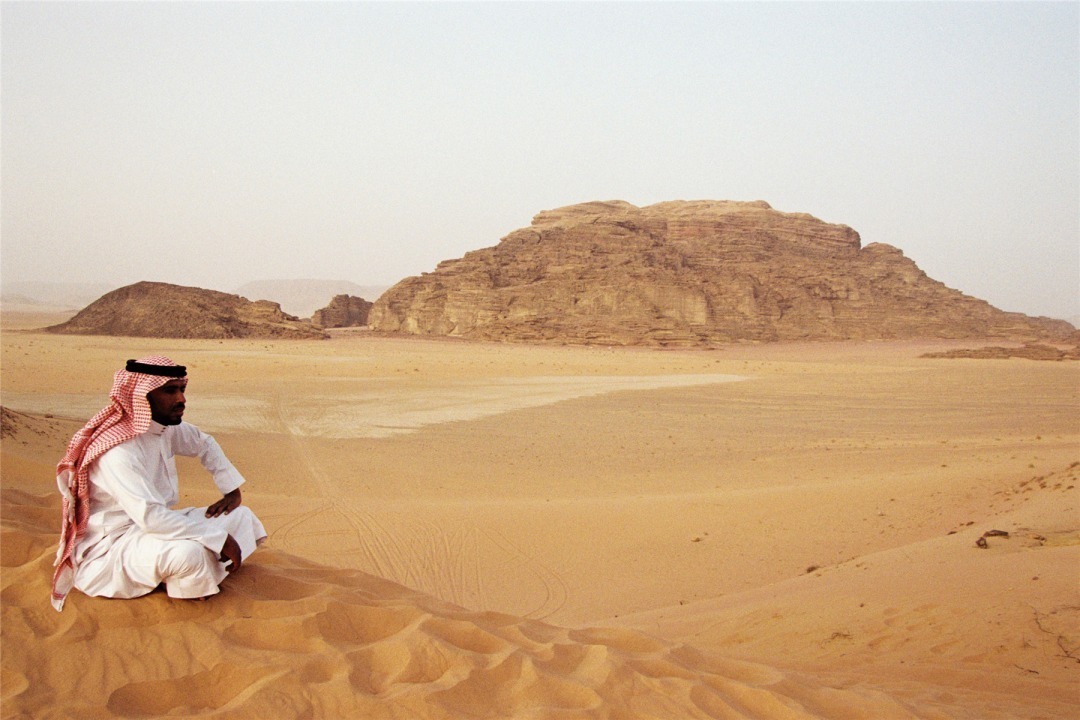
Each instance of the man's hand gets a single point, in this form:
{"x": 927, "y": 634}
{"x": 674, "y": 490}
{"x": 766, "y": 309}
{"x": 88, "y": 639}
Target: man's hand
{"x": 230, "y": 502}
{"x": 230, "y": 552}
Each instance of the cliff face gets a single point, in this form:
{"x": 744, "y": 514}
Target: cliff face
{"x": 684, "y": 274}
{"x": 343, "y": 311}
{"x": 149, "y": 309}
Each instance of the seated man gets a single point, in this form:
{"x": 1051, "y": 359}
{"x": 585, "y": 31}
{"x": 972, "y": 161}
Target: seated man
{"x": 121, "y": 537}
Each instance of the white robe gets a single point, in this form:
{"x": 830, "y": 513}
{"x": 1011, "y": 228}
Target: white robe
{"x": 135, "y": 540}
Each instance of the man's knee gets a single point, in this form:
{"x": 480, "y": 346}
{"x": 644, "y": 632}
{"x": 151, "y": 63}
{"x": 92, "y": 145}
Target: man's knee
{"x": 243, "y": 514}
{"x": 185, "y": 557}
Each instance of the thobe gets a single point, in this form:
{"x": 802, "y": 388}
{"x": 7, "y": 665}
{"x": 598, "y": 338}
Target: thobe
{"x": 135, "y": 540}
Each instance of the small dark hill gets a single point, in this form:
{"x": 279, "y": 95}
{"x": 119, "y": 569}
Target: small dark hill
{"x": 152, "y": 309}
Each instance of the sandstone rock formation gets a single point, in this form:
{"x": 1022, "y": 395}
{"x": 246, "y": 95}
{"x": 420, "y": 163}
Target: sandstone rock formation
{"x": 1029, "y": 351}
{"x": 302, "y": 297}
{"x": 343, "y": 311}
{"x": 685, "y": 274}
{"x": 151, "y": 309}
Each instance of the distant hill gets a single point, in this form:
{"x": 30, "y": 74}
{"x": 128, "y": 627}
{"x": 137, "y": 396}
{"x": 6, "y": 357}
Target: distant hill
{"x": 150, "y": 309}
{"x": 303, "y": 297}
{"x": 50, "y": 295}
{"x": 686, "y": 274}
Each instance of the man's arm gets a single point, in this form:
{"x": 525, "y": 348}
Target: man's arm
{"x": 186, "y": 439}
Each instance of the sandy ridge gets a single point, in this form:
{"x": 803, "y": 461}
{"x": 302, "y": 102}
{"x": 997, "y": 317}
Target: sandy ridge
{"x": 289, "y": 638}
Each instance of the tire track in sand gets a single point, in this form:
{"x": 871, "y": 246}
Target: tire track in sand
{"x": 425, "y": 555}
{"x": 335, "y": 533}
{"x": 555, "y": 589}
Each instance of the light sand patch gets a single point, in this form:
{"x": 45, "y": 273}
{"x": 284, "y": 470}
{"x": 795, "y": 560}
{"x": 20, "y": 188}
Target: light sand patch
{"x": 385, "y": 409}
{"x": 376, "y": 408}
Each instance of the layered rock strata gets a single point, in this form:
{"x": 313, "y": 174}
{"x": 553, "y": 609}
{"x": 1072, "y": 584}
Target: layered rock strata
{"x": 686, "y": 274}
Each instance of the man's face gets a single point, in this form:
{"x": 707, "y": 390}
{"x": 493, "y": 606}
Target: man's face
{"x": 167, "y": 402}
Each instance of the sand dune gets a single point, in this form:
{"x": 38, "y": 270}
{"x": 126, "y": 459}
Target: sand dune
{"x": 289, "y": 638}
{"x": 576, "y": 533}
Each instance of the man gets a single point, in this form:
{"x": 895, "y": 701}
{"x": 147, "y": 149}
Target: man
{"x": 121, "y": 537}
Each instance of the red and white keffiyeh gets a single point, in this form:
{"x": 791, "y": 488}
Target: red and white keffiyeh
{"x": 127, "y": 416}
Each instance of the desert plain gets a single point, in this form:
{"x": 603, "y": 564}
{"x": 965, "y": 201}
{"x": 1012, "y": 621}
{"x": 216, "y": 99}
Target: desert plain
{"x": 483, "y": 530}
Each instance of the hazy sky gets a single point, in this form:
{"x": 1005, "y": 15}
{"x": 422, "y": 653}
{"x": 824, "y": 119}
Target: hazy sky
{"x": 213, "y": 144}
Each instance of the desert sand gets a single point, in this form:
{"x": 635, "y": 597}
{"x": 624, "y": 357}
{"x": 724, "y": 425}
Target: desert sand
{"x": 474, "y": 530}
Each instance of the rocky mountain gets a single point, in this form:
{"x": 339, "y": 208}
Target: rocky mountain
{"x": 343, "y": 311}
{"x": 302, "y": 297}
{"x": 152, "y": 309}
{"x": 685, "y": 274}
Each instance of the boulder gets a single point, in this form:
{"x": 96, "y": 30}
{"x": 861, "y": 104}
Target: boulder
{"x": 343, "y": 311}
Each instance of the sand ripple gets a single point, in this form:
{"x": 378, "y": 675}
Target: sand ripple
{"x": 292, "y": 639}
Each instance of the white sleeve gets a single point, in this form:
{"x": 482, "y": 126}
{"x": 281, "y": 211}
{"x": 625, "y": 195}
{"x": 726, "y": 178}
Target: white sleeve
{"x": 122, "y": 476}
{"x": 190, "y": 441}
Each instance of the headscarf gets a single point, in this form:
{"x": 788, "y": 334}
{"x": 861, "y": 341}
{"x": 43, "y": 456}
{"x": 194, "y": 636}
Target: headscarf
{"x": 127, "y": 416}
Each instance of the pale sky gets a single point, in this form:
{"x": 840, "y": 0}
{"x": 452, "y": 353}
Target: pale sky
{"x": 212, "y": 144}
